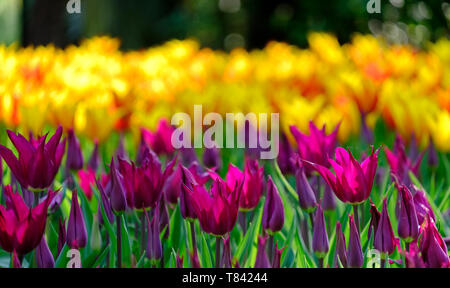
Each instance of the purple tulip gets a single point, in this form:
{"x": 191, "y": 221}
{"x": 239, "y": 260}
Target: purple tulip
{"x": 94, "y": 160}
{"x": 374, "y": 220}
{"x": 211, "y": 158}
{"x": 76, "y": 229}
{"x": 408, "y": 225}
{"x": 262, "y": 261}
{"x": 117, "y": 196}
{"x": 284, "y": 156}
{"x": 328, "y": 200}
{"x": 273, "y": 213}
{"x": 423, "y": 207}
{"x": 341, "y": 248}
{"x": 320, "y": 238}
{"x": 306, "y": 195}
{"x": 44, "y": 258}
{"x": 74, "y": 159}
{"x": 433, "y": 157}
{"x": 432, "y": 246}
{"x": 276, "y": 262}
{"x": 186, "y": 206}
{"x": 106, "y": 204}
{"x": 38, "y": 164}
{"x": 355, "y": 255}
{"x": 154, "y": 246}
{"x": 384, "y": 236}
{"x": 61, "y": 235}
{"x": 179, "y": 260}
{"x": 164, "y": 218}
{"x": 253, "y": 184}
{"x": 160, "y": 140}
{"x": 172, "y": 187}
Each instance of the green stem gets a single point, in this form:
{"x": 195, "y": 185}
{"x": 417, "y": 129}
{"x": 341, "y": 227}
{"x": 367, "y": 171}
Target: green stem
{"x": 217, "y": 252}
{"x": 356, "y": 215}
{"x": 119, "y": 241}
{"x": 194, "y": 242}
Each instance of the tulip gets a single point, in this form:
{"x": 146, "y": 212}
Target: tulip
{"x": 44, "y": 258}
{"x": 74, "y": 159}
{"x": 36, "y": 166}
{"x": 76, "y": 229}
{"x": 432, "y": 246}
{"x": 211, "y": 158}
{"x": 273, "y": 213}
{"x": 374, "y": 220}
{"x": 160, "y": 141}
{"x": 117, "y": 194}
{"x": 253, "y": 185}
{"x": 400, "y": 163}
{"x": 226, "y": 255}
{"x": 328, "y": 200}
{"x": 422, "y": 206}
{"x": 61, "y": 235}
{"x": 320, "y": 238}
{"x": 316, "y": 147}
{"x": 154, "y": 247}
{"x": 172, "y": 187}
{"x": 94, "y": 160}
{"x": 433, "y": 157}
{"x": 276, "y": 263}
{"x": 384, "y": 240}
{"x": 194, "y": 259}
{"x": 341, "y": 248}
{"x": 21, "y": 228}
{"x": 144, "y": 184}
{"x": 306, "y": 195}
{"x": 106, "y": 204}
{"x": 120, "y": 151}
{"x": 284, "y": 156}
{"x": 87, "y": 178}
{"x": 188, "y": 156}
{"x": 217, "y": 212}
{"x": 355, "y": 254}
{"x": 262, "y": 261}
{"x": 186, "y": 201}
{"x": 413, "y": 258}
{"x": 408, "y": 225}
{"x": 179, "y": 263}
{"x": 164, "y": 218}
{"x": 353, "y": 181}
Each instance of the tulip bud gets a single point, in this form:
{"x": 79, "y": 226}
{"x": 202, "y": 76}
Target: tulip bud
{"x": 284, "y": 156}
{"x": 423, "y": 207}
{"x": 94, "y": 160}
{"x": 76, "y": 229}
{"x": 172, "y": 187}
{"x": 273, "y": 213}
{"x": 408, "y": 225}
{"x": 179, "y": 262}
{"x": 320, "y": 238}
{"x": 225, "y": 261}
{"x": 384, "y": 236}
{"x": 120, "y": 151}
{"x": 261, "y": 257}
{"x": 306, "y": 195}
{"x": 186, "y": 205}
{"x": 355, "y": 254}
{"x": 44, "y": 258}
{"x": 433, "y": 248}
{"x": 188, "y": 156}
{"x": 253, "y": 183}
{"x": 164, "y": 218}
{"x": 61, "y": 235}
{"x": 211, "y": 158}
{"x": 341, "y": 248}
{"x": 194, "y": 259}
{"x": 329, "y": 200}
{"x": 74, "y": 159}
{"x": 118, "y": 199}
{"x": 96, "y": 237}
{"x": 154, "y": 246}
{"x": 276, "y": 263}
{"x": 374, "y": 220}
{"x": 106, "y": 205}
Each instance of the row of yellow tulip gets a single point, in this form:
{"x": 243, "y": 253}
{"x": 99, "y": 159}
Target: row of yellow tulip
{"x": 96, "y": 88}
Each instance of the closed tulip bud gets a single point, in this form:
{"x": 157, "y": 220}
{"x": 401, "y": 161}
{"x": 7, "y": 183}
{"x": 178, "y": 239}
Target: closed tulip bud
{"x": 423, "y": 207}
{"x": 172, "y": 187}
{"x": 211, "y": 158}
{"x": 408, "y": 225}
{"x": 432, "y": 246}
{"x": 95, "y": 240}
{"x": 186, "y": 206}
{"x": 225, "y": 261}
{"x": 117, "y": 196}
{"x": 384, "y": 236}
{"x": 164, "y": 218}
{"x": 276, "y": 263}
{"x": 61, "y": 235}
{"x": 76, "y": 229}
{"x": 179, "y": 262}
{"x": 262, "y": 261}
{"x": 341, "y": 247}
{"x": 195, "y": 262}
{"x": 94, "y": 160}
{"x": 120, "y": 151}
{"x": 306, "y": 195}
{"x": 188, "y": 156}
{"x": 320, "y": 238}
{"x": 285, "y": 155}
{"x": 329, "y": 200}
{"x": 106, "y": 205}
{"x": 154, "y": 246}
{"x": 74, "y": 159}
{"x": 355, "y": 254}
{"x": 353, "y": 180}
{"x": 44, "y": 258}
{"x": 374, "y": 220}
{"x": 433, "y": 157}
{"x": 253, "y": 184}
{"x": 273, "y": 213}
